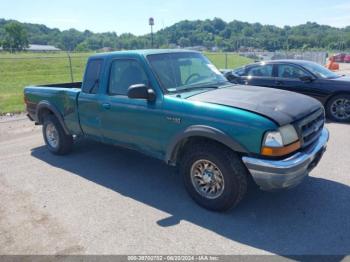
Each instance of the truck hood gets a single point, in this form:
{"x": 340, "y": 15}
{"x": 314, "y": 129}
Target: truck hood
{"x": 283, "y": 107}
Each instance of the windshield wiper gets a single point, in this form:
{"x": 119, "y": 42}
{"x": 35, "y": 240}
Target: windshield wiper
{"x": 204, "y": 86}
{"x": 190, "y": 88}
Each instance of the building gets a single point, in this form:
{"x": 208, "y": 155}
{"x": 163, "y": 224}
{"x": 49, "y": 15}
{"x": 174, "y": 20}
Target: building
{"x": 197, "y": 48}
{"x": 40, "y": 48}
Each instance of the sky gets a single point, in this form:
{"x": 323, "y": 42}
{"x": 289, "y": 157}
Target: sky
{"x": 132, "y": 16}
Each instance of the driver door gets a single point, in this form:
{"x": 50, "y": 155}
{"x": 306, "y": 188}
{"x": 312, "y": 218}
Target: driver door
{"x": 132, "y": 123}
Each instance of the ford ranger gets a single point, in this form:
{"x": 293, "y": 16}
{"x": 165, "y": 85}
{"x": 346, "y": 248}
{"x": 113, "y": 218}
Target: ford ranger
{"x": 176, "y": 106}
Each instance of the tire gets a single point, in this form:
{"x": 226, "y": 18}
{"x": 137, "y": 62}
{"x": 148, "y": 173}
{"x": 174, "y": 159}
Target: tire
{"x": 228, "y": 167}
{"x": 56, "y": 140}
{"x": 336, "y": 114}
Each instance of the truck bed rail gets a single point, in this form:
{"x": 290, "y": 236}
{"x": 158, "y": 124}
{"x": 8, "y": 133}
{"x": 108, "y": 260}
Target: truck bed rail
{"x": 64, "y": 85}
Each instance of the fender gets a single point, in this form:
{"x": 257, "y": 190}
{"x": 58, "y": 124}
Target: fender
{"x": 201, "y": 131}
{"x": 47, "y": 105}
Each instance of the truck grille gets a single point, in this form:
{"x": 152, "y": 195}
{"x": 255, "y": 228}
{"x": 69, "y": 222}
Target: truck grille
{"x": 310, "y": 128}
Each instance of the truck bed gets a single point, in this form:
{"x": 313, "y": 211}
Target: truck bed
{"x": 63, "y": 97}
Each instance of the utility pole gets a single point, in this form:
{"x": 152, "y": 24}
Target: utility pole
{"x": 151, "y": 23}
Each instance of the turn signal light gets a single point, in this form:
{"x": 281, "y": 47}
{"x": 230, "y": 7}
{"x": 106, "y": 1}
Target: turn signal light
{"x": 280, "y": 151}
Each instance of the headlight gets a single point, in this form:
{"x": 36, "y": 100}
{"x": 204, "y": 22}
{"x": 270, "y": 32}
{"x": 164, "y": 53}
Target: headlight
{"x": 281, "y": 142}
{"x": 273, "y": 139}
{"x": 289, "y": 134}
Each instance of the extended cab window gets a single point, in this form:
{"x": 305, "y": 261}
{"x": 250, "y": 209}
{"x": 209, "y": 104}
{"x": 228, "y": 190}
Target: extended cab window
{"x": 92, "y": 77}
{"x": 261, "y": 71}
{"x": 125, "y": 73}
{"x": 290, "y": 71}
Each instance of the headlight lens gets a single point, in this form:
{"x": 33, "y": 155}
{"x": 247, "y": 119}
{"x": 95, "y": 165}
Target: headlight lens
{"x": 289, "y": 134}
{"x": 281, "y": 142}
{"x": 273, "y": 139}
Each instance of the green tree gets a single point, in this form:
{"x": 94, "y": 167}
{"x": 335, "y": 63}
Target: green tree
{"x": 15, "y": 37}
{"x": 184, "y": 42}
{"x": 229, "y": 36}
{"x": 70, "y": 39}
{"x": 219, "y": 41}
{"x": 82, "y": 47}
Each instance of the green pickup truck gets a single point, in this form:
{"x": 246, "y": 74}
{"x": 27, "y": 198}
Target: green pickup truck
{"x": 175, "y": 105}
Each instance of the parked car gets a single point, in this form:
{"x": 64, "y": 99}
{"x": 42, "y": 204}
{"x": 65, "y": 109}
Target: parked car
{"x": 303, "y": 77}
{"x": 339, "y": 58}
{"x": 347, "y": 59}
{"x": 177, "y": 107}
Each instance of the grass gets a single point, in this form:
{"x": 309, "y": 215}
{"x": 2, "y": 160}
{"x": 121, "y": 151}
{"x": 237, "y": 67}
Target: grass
{"x": 20, "y": 70}
{"x": 233, "y": 60}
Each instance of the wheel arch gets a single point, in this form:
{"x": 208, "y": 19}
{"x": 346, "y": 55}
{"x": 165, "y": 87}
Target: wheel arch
{"x": 200, "y": 132}
{"x": 337, "y": 93}
{"x": 44, "y": 108}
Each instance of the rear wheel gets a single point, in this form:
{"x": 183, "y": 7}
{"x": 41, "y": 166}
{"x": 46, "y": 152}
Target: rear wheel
{"x": 57, "y": 141}
{"x": 338, "y": 108}
{"x": 214, "y": 176}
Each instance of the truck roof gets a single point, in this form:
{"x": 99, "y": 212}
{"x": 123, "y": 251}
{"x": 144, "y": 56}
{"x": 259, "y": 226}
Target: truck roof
{"x": 143, "y": 52}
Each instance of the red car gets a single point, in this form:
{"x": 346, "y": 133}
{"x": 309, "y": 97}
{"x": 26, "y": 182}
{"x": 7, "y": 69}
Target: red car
{"x": 347, "y": 59}
{"x": 339, "y": 58}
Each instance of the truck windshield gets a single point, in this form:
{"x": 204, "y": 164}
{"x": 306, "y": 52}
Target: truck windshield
{"x": 182, "y": 71}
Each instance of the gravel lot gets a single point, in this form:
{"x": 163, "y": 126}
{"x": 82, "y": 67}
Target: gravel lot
{"x": 344, "y": 69}
{"x": 106, "y": 200}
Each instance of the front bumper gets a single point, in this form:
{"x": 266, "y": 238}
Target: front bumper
{"x": 289, "y": 172}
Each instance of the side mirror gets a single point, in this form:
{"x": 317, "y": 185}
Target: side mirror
{"x": 141, "y": 91}
{"x": 307, "y": 79}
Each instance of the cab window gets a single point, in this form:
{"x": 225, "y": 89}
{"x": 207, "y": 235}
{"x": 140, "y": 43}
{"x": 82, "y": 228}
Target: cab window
{"x": 260, "y": 71}
{"x": 92, "y": 76}
{"x": 125, "y": 73}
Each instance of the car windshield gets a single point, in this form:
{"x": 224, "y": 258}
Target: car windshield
{"x": 320, "y": 71}
{"x": 185, "y": 70}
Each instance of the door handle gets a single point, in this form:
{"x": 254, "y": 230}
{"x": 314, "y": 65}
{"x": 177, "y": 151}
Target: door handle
{"x": 279, "y": 83}
{"x": 106, "y": 106}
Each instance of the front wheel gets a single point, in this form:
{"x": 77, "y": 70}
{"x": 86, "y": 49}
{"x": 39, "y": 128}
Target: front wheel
{"x": 56, "y": 140}
{"x": 214, "y": 176}
{"x": 338, "y": 108}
